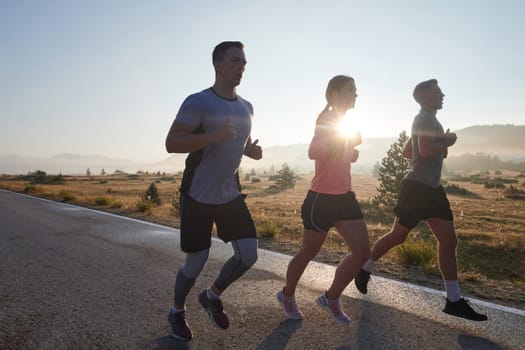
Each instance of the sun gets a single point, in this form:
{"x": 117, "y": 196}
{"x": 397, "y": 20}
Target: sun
{"x": 349, "y": 128}
{"x": 352, "y": 129}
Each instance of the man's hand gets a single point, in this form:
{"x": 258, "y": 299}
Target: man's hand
{"x": 252, "y": 149}
{"x": 449, "y": 138}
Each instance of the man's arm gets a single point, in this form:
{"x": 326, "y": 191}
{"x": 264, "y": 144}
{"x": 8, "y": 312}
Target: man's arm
{"x": 430, "y": 147}
{"x": 181, "y": 137}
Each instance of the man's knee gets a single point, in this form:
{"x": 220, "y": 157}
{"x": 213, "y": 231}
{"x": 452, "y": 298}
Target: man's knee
{"x": 249, "y": 259}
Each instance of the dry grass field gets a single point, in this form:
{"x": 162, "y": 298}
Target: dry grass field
{"x": 490, "y": 226}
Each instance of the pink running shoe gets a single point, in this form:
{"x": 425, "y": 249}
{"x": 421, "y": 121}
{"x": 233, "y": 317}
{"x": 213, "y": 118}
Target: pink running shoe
{"x": 289, "y": 306}
{"x": 334, "y": 309}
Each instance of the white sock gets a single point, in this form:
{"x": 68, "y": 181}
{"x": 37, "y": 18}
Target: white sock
{"x": 453, "y": 293}
{"x": 211, "y": 295}
{"x": 369, "y": 265}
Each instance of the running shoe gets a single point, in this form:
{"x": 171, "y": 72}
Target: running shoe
{"x": 178, "y": 327}
{"x": 334, "y": 309}
{"x": 215, "y": 310}
{"x": 462, "y": 308}
{"x": 361, "y": 281}
{"x": 289, "y": 306}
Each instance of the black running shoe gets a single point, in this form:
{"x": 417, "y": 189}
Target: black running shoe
{"x": 178, "y": 327}
{"x": 215, "y": 311}
{"x": 462, "y": 308}
{"x": 361, "y": 281}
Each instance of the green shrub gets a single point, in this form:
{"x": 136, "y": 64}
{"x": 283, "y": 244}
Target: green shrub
{"x": 41, "y": 177}
{"x": 144, "y": 206}
{"x": 514, "y": 193}
{"x": 101, "y": 200}
{"x": 494, "y": 184}
{"x": 458, "y": 190}
{"x": 255, "y": 180}
{"x": 67, "y": 195}
{"x": 416, "y": 252}
{"x": 116, "y": 204}
{"x": 374, "y": 212}
{"x": 175, "y": 205}
{"x": 32, "y": 189}
{"x": 268, "y": 229}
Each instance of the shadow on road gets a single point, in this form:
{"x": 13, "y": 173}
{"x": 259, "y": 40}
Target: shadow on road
{"x": 280, "y": 336}
{"x": 168, "y": 343}
{"x": 471, "y": 342}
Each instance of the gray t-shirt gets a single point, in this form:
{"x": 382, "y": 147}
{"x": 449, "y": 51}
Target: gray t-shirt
{"x": 214, "y": 179}
{"x": 427, "y": 171}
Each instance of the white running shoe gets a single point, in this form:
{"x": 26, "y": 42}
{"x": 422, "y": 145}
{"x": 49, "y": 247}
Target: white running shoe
{"x": 334, "y": 309}
{"x": 289, "y": 306}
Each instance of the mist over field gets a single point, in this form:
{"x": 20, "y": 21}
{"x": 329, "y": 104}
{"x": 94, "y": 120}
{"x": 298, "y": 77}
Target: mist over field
{"x": 478, "y": 148}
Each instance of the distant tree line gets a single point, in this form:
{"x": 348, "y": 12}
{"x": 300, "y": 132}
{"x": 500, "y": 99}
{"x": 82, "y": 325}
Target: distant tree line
{"x": 481, "y": 162}
{"x": 41, "y": 177}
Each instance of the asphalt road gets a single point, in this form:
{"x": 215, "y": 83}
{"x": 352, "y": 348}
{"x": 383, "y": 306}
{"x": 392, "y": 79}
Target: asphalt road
{"x": 74, "y": 278}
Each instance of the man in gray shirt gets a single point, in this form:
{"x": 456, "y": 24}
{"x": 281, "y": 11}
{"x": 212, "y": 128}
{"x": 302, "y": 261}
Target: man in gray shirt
{"x": 214, "y": 127}
{"x": 423, "y": 198}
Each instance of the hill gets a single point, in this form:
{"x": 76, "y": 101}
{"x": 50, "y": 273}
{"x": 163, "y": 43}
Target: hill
{"x": 506, "y": 142}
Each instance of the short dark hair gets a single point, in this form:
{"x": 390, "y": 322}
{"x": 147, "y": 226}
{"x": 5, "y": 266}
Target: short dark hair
{"x": 220, "y": 50}
{"x": 421, "y": 88}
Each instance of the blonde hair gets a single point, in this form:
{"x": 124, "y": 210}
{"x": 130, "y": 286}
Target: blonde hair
{"x": 335, "y": 85}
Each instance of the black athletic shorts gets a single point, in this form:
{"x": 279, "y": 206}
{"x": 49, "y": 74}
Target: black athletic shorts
{"x": 321, "y": 211}
{"x": 233, "y": 221}
{"x": 418, "y": 201}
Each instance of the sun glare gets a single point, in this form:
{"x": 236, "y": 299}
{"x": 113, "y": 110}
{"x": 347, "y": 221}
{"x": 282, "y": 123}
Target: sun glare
{"x": 348, "y": 127}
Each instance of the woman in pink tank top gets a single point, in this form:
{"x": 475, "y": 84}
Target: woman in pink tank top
{"x": 329, "y": 203}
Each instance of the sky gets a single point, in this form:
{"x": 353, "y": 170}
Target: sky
{"x": 108, "y": 77}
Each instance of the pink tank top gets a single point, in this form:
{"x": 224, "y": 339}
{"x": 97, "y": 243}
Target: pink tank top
{"x": 333, "y": 157}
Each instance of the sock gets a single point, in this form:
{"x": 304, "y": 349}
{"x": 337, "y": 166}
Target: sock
{"x": 175, "y": 310}
{"x": 369, "y": 265}
{"x": 211, "y": 295}
{"x": 453, "y": 293}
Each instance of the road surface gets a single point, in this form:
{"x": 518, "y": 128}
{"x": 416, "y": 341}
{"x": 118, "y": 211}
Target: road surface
{"x": 75, "y": 278}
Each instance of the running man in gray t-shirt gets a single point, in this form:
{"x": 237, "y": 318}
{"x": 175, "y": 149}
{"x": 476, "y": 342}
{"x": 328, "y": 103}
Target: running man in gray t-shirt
{"x": 214, "y": 127}
{"x": 423, "y": 198}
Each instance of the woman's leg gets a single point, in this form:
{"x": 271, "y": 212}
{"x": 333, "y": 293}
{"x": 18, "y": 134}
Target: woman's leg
{"x": 312, "y": 242}
{"x": 355, "y": 234}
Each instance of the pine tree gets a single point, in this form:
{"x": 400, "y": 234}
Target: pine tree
{"x": 285, "y": 177}
{"x": 392, "y": 171}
